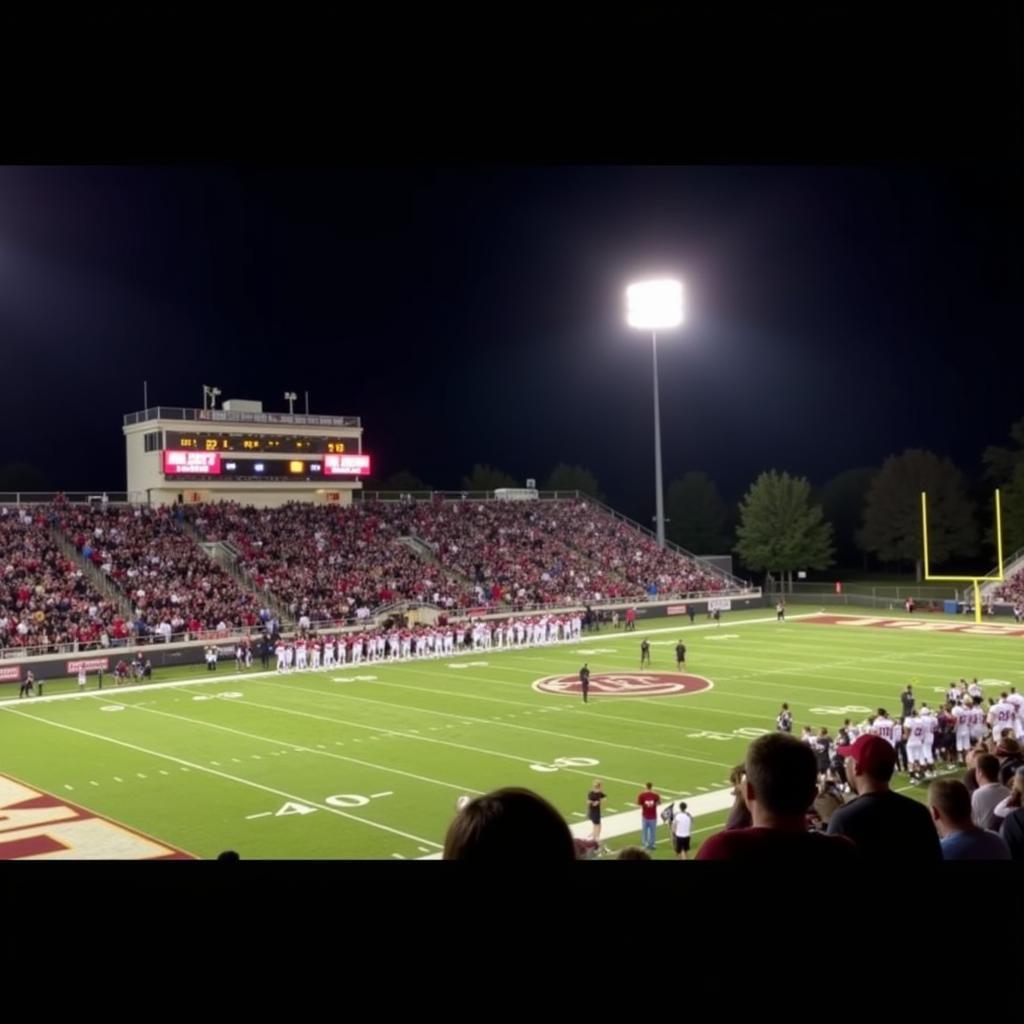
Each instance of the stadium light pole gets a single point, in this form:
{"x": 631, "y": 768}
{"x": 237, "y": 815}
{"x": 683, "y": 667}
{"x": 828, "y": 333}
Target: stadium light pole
{"x": 290, "y": 397}
{"x": 654, "y": 306}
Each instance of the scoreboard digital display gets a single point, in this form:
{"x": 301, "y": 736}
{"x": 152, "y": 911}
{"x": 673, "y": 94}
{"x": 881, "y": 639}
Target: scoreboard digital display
{"x": 185, "y": 463}
{"x": 271, "y": 444}
{"x": 191, "y": 465}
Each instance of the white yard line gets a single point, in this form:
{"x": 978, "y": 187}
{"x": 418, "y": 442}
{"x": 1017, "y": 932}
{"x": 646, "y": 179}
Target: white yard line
{"x": 234, "y": 677}
{"x": 223, "y": 775}
{"x": 622, "y": 824}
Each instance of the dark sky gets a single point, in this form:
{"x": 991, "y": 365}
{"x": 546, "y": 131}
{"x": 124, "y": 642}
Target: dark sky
{"x": 837, "y": 314}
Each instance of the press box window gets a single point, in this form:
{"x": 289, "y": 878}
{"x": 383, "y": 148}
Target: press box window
{"x": 153, "y": 441}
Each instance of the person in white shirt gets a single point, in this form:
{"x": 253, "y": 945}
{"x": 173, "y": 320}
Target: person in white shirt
{"x": 962, "y": 717}
{"x": 1014, "y": 698}
{"x": 976, "y": 721}
{"x": 975, "y": 691}
{"x": 301, "y": 655}
{"x": 682, "y": 829}
{"x": 279, "y": 651}
{"x": 883, "y": 726}
{"x": 915, "y": 745}
{"x": 316, "y": 657}
{"x": 955, "y": 692}
{"x": 1002, "y": 715}
{"x": 81, "y": 679}
{"x": 928, "y": 723}
{"x": 329, "y": 653}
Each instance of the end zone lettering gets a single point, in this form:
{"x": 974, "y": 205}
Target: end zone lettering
{"x": 38, "y": 826}
{"x": 88, "y": 665}
{"x": 10, "y": 673}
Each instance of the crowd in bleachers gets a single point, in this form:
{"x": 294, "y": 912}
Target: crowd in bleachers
{"x": 320, "y": 563}
{"x": 172, "y": 584}
{"x": 326, "y": 563}
{"x": 46, "y": 600}
{"x": 1012, "y": 592}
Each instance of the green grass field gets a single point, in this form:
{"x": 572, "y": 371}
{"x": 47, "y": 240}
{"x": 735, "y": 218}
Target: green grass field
{"x": 368, "y": 761}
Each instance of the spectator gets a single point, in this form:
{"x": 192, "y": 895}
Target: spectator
{"x": 1008, "y": 753}
{"x": 739, "y": 816}
{"x": 633, "y": 853}
{"x": 509, "y": 825}
{"x": 1015, "y": 800}
{"x": 781, "y": 783}
{"x": 950, "y": 804}
{"x": 884, "y": 825}
{"x": 990, "y": 792}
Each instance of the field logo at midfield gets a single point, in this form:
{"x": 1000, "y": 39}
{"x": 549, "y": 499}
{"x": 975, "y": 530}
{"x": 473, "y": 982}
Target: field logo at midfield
{"x": 627, "y": 684}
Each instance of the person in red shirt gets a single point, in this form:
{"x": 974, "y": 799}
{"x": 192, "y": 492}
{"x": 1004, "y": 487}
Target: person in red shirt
{"x": 648, "y": 801}
{"x": 779, "y": 788}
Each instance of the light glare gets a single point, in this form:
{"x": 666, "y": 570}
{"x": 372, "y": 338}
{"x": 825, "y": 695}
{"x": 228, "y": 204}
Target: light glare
{"x": 654, "y": 305}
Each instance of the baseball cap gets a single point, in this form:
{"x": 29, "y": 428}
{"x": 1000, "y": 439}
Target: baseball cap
{"x": 871, "y": 753}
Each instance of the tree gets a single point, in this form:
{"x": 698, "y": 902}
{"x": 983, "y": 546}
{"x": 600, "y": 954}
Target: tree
{"x": 487, "y": 478}
{"x": 780, "y": 530}
{"x": 842, "y": 501}
{"x": 403, "y": 481}
{"x": 1004, "y": 467}
{"x": 573, "y": 478}
{"x": 892, "y": 512}
{"x": 697, "y": 514}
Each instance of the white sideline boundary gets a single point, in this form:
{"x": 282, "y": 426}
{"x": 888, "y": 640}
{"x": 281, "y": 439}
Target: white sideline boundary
{"x": 213, "y": 677}
{"x": 616, "y": 825}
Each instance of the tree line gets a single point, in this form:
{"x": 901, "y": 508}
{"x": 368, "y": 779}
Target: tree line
{"x": 784, "y": 524}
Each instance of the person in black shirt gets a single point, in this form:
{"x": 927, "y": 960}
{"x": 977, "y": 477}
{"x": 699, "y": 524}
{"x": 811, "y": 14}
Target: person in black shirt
{"x": 885, "y": 826}
{"x": 594, "y": 798}
{"x": 784, "y": 721}
{"x": 680, "y": 654}
{"x": 645, "y": 653}
{"x": 585, "y": 681}
{"x": 27, "y": 687}
{"x": 907, "y": 701}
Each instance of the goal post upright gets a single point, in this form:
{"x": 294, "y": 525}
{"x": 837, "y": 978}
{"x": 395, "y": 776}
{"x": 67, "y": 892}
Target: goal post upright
{"x": 975, "y": 580}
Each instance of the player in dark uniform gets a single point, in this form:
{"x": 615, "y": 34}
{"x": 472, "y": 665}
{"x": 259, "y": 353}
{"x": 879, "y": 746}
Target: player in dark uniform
{"x": 645, "y": 653}
{"x": 680, "y": 654}
{"x": 784, "y": 720}
{"x": 585, "y": 681}
{"x": 27, "y": 687}
{"x": 594, "y": 798}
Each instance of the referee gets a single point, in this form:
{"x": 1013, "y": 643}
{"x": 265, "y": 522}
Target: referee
{"x": 585, "y": 681}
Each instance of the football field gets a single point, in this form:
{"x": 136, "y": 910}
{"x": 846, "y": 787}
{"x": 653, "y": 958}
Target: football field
{"x": 368, "y": 761}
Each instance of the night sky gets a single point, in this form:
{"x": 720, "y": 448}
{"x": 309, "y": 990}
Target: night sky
{"x": 836, "y": 314}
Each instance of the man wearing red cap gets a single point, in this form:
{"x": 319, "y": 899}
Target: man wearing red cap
{"x": 883, "y": 824}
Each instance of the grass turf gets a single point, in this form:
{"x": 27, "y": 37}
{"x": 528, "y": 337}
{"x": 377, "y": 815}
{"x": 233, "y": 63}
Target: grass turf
{"x": 368, "y": 761}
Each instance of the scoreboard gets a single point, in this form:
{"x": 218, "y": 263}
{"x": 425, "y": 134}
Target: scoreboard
{"x": 275, "y": 444}
{"x": 244, "y": 454}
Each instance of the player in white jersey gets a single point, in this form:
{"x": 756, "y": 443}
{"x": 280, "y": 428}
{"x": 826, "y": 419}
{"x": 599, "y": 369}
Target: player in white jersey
{"x": 1014, "y": 698}
{"x": 955, "y": 692}
{"x": 577, "y": 626}
{"x": 289, "y": 657}
{"x": 449, "y": 640}
{"x": 1002, "y": 715}
{"x": 301, "y": 656}
{"x": 962, "y": 718}
{"x": 928, "y": 724}
{"x": 915, "y": 745}
{"x": 357, "y": 651}
{"x": 975, "y": 691}
{"x": 883, "y": 726}
{"x": 317, "y": 655}
{"x": 279, "y": 651}
{"x": 329, "y": 652}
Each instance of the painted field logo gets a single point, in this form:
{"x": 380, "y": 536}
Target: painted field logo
{"x": 627, "y": 684}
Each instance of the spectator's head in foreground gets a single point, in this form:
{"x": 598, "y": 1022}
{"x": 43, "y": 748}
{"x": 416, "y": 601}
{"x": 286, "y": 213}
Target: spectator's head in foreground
{"x": 781, "y": 781}
{"x": 870, "y": 763}
{"x": 509, "y": 825}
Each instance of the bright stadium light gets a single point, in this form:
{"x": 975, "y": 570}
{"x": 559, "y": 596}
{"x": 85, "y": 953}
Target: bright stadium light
{"x": 653, "y": 306}
{"x": 290, "y": 397}
{"x": 210, "y": 394}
